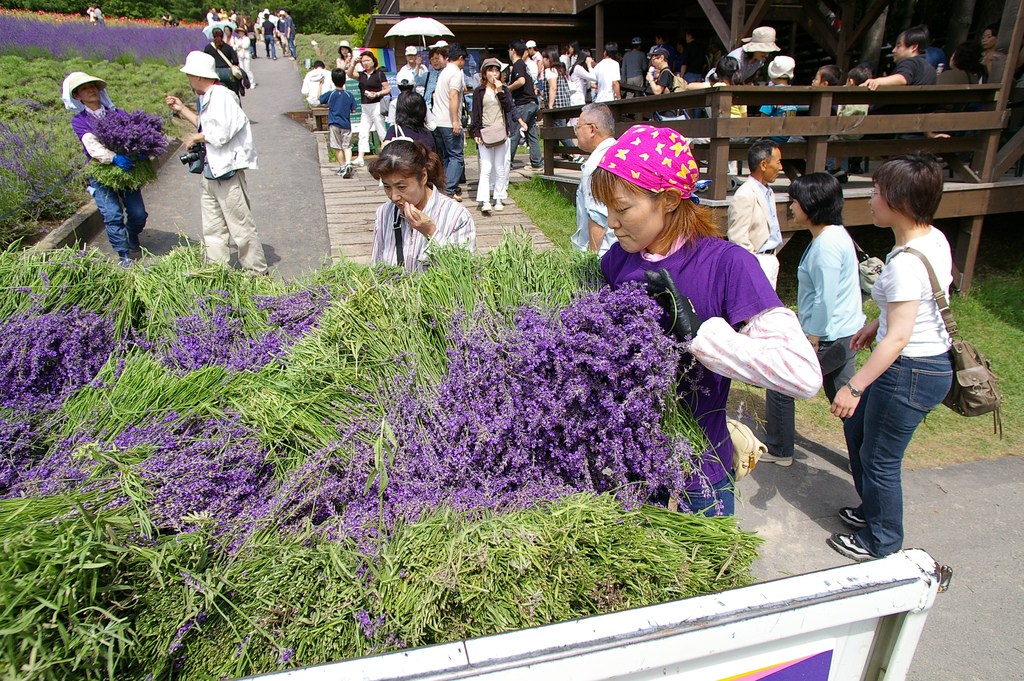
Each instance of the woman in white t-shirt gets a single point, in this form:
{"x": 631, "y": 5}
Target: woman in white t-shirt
{"x": 910, "y": 369}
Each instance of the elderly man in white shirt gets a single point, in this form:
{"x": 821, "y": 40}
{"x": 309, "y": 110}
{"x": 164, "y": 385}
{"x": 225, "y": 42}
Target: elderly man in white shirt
{"x": 414, "y": 70}
{"x": 223, "y": 128}
{"x": 594, "y": 130}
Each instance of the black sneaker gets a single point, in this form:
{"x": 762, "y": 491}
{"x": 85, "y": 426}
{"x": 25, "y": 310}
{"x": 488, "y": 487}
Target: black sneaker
{"x": 852, "y": 517}
{"x": 847, "y": 545}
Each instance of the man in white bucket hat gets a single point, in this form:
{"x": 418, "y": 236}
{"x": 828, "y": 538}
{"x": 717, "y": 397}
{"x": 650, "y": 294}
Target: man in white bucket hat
{"x": 753, "y": 54}
{"x": 222, "y": 128}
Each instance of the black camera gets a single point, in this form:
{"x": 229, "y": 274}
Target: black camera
{"x": 194, "y": 158}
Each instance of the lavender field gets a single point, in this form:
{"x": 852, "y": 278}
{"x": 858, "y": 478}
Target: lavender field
{"x": 39, "y": 153}
{"x": 31, "y": 38}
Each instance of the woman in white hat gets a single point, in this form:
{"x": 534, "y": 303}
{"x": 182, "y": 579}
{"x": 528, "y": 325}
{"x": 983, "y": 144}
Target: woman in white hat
{"x": 753, "y": 54}
{"x": 489, "y": 126}
{"x": 124, "y": 212}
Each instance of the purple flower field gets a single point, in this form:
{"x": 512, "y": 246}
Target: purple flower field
{"x": 33, "y": 38}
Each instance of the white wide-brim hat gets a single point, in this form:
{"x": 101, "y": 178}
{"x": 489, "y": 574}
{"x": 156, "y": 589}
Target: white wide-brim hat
{"x": 200, "y": 65}
{"x": 439, "y": 43}
{"x": 782, "y": 67}
{"x": 761, "y": 40}
{"x": 77, "y": 79}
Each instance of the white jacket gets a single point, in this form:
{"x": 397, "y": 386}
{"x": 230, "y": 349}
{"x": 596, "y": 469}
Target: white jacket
{"x": 225, "y": 126}
{"x": 316, "y": 82}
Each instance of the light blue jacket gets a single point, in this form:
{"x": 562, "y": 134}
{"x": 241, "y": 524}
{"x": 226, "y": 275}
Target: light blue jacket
{"x": 829, "y": 301}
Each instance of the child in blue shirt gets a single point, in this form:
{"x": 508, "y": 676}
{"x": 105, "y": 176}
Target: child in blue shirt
{"x": 340, "y": 106}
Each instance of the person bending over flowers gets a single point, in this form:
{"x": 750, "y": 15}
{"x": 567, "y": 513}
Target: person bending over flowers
{"x": 416, "y": 214}
{"x": 717, "y": 300}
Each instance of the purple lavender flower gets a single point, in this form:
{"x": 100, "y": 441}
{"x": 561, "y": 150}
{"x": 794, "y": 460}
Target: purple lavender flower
{"x": 216, "y": 334}
{"x": 136, "y": 133}
{"x": 45, "y": 357}
{"x": 552, "y": 405}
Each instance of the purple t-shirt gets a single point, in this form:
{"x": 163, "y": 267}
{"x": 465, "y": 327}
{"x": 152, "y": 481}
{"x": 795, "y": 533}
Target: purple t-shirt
{"x": 722, "y": 280}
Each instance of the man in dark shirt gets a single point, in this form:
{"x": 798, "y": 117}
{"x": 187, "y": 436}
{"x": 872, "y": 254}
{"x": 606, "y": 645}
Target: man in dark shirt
{"x": 524, "y": 95}
{"x": 911, "y": 66}
{"x": 690, "y": 64}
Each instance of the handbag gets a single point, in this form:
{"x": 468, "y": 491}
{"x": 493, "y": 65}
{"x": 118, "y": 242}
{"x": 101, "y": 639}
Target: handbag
{"x": 869, "y": 269}
{"x": 975, "y": 387}
{"x": 493, "y": 135}
{"x": 236, "y": 71}
{"x": 746, "y": 448}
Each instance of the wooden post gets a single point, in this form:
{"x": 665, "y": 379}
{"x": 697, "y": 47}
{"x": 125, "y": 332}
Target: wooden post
{"x": 598, "y": 31}
{"x": 817, "y": 145}
{"x": 737, "y": 7}
{"x": 718, "y": 151}
{"x": 969, "y": 238}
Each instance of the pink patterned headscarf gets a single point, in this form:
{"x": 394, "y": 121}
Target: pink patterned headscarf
{"x": 653, "y": 158}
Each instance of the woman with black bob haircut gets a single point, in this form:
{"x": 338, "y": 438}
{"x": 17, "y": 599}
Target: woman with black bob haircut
{"x": 829, "y": 304}
{"x": 910, "y": 369}
{"x": 416, "y": 217}
{"x": 411, "y": 120}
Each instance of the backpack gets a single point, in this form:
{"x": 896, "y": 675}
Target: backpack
{"x": 678, "y": 82}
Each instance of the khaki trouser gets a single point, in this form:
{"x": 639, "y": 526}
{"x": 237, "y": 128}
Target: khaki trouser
{"x": 770, "y": 264}
{"x": 227, "y": 217}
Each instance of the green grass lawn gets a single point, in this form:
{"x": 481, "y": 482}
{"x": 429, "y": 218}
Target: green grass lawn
{"x": 991, "y": 316}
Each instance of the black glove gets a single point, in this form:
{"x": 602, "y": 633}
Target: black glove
{"x": 683, "y": 322}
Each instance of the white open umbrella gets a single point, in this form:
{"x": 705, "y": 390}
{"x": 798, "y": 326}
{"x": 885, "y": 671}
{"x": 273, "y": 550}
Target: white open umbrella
{"x": 421, "y": 26}
{"x": 222, "y": 25}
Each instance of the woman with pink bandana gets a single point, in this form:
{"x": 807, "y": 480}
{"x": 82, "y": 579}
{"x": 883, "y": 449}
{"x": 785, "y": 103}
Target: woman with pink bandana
{"x": 717, "y": 301}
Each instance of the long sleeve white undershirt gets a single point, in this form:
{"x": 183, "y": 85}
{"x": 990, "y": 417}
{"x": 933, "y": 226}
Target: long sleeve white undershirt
{"x": 770, "y": 351}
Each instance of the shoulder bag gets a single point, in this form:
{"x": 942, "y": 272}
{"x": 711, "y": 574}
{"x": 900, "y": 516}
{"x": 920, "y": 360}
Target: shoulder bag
{"x": 975, "y": 388}
{"x": 869, "y": 269}
{"x": 235, "y": 71}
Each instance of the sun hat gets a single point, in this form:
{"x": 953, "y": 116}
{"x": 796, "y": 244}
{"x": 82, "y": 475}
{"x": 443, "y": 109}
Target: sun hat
{"x": 439, "y": 43}
{"x": 637, "y": 41}
{"x": 411, "y": 50}
{"x": 345, "y": 43}
{"x": 491, "y": 61}
{"x": 531, "y": 43}
{"x": 782, "y": 67}
{"x": 200, "y": 65}
{"x": 653, "y": 158}
{"x": 77, "y": 79}
{"x": 761, "y": 40}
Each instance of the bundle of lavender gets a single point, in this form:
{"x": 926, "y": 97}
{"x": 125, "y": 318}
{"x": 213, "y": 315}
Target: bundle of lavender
{"x": 137, "y": 135}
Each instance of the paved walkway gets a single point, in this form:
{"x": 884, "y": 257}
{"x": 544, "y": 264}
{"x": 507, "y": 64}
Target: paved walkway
{"x": 968, "y": 516}
{"x": 352, "y": 205}
{"x": 286, "y": 191}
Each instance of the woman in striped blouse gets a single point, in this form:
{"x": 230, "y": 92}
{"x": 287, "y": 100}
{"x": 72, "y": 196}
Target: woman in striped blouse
{"x": 416, "y": 217}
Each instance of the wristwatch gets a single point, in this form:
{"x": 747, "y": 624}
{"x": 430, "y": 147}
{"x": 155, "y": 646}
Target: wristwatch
{"x": 853, "y": 391}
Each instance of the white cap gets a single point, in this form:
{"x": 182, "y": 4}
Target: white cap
{"x": 411, "y": 50}
{"x": 782, "y": 67}
{"x": 439, "y": 43}
{"x": 531, "y": 43}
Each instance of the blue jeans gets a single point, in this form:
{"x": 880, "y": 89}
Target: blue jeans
{"x": 838, "y": 365}
{"x": 271, "y": 47}
{"x": 528, "y": 112}
{"x": 291, "y": 46}
{"x": 453, "y": 156}
{"x": 877, "y": 436}
{"x": 114, "y": 207}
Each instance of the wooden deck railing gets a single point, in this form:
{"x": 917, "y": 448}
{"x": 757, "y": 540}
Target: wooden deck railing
{"x": 975, "y": 132}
